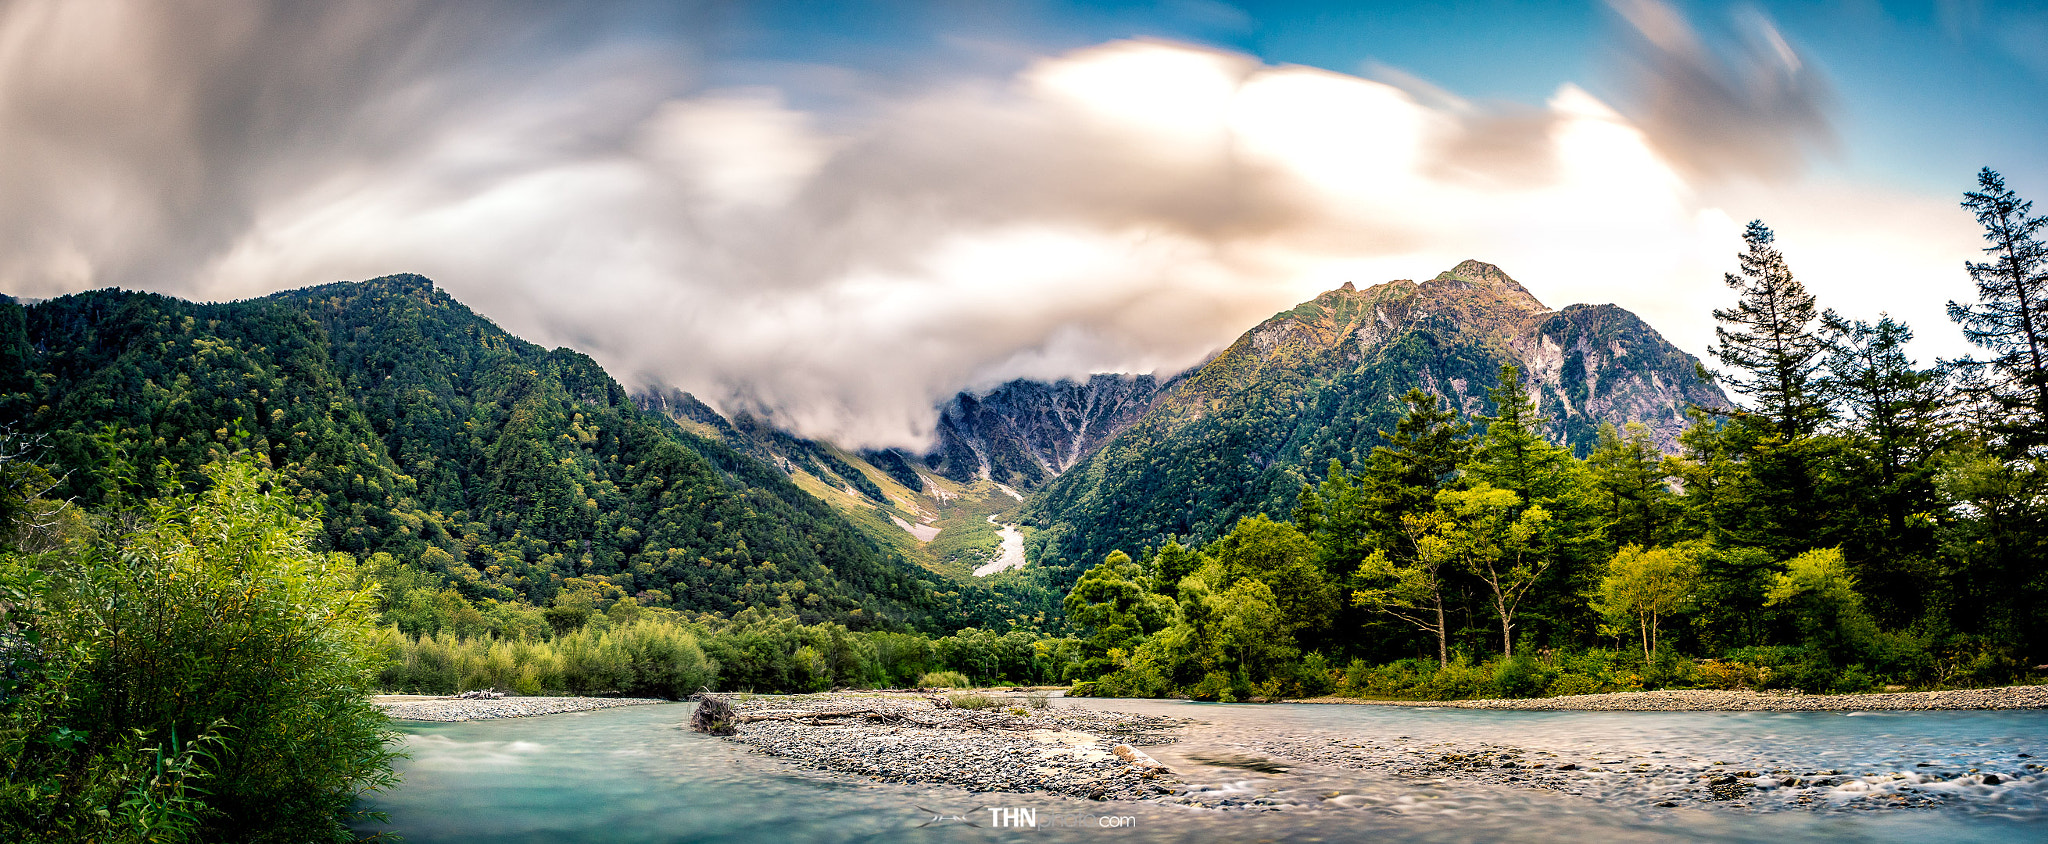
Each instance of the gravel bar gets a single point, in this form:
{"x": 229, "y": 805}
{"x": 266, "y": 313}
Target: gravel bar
{"x": 900, "y": 739}
{"x": 1706, "y": 700}
{"x": 416, "y": 708}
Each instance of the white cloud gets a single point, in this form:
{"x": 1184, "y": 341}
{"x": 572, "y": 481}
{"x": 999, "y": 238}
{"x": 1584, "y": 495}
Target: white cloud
{"x": 1127, "y": 207}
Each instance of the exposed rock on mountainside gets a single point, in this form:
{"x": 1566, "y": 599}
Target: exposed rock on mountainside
{"x": 1025, "y": 433}
{"x": 1242, "y": 433}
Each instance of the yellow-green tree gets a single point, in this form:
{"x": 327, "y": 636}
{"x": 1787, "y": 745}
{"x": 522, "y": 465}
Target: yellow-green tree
{"x": 1646, "y": 585}
{"x": 1489, "y": 538}
{"x": 1410, "y": 587}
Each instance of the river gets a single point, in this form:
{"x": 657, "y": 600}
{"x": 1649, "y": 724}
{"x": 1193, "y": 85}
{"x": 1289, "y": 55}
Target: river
{"x": 632, "y": 775}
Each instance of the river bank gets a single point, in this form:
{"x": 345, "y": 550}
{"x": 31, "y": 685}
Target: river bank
{"x": 1710, "y": 700}
{"x": 1240, "y": 761}
{"x": 435, "y": 708}
{"x": 1011, "y": 746}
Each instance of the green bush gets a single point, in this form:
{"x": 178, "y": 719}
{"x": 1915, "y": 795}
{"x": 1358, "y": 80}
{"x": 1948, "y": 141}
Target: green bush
{"x": 1575, "y": 684}
{"x": 943, "y": 680}
{"x": 971, "y": 701}
{"x": 205, "y": 677}
{"x": 1316, "y": 677}
{"x": 1215, "y": 686}
{"x": 1522, "y": 677}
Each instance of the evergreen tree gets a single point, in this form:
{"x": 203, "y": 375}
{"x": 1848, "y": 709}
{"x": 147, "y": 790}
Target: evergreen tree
{"x": 1768, "y": 338}
{"x": 1629, "y": 482}
{"x": 1895, "y": 425}
{"x": 1513, "y": 454}
{"x": 2012, "y": 291}
{"x": 1882, "y": 396}
{"x": 1422, "y": 456}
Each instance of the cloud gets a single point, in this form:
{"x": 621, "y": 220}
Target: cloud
{"x": 1760, "y": 110}
{"x": 843, "y": 265}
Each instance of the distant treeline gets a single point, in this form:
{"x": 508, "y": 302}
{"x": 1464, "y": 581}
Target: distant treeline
{"x": 594, "y": 643}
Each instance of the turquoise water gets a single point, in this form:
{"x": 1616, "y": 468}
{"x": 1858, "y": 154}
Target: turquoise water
{"x": 633, "y": 775}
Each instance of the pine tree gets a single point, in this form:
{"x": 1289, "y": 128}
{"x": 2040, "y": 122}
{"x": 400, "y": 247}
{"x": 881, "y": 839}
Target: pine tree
{"x": 2012, "y": 291}
{"x": 1421, "y": 456}
{"x": 1768, "y": 338}
{"x": 1629, "y": 479}
{"x": 1425, "y": 448}
{"x": 1897, "y": 409}
{"x": 1513, "y": 453}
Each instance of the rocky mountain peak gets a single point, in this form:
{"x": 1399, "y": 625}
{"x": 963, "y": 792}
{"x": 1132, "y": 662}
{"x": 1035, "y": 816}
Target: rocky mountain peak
{"x": 1485, "y": 276}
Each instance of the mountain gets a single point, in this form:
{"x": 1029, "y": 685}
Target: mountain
{"x": 1242, "y": 433}
{"x": 1025, "y": 433}
{"x": 423, "y": 431}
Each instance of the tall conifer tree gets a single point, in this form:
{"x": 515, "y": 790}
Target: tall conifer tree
{"x": 1768, "y": 338}
{"x": 2012, "y": 291}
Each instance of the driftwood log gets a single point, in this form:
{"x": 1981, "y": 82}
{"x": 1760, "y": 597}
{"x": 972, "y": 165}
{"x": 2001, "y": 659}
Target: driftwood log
{"x": 714, "y": 716}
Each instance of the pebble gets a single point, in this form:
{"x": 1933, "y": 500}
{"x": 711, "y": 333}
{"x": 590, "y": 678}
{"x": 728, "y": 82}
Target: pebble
{"x": 1711, "y": 700}
{"x": 411, "y": 708}
{"x": 1058, "y": 750}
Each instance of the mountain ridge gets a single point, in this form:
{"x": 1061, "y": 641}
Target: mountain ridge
{"x": 1242, "y": 433}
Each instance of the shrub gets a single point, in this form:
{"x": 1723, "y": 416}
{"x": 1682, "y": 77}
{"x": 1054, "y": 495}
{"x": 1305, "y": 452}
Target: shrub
{"x": 1720, "y": 674}
{"x": 943, "y": 680}
{"x": 971, "y": 701}
{"x": 1520, "y": 676}
{"x": 1575, "y": 684}
{"x": 1317, "y": 677}
{"x": 1214, "y": 686}
{"x": 207, "y": 678}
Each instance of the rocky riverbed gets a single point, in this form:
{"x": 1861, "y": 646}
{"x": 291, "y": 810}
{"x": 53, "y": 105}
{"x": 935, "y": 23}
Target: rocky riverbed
{"x": 1652, "y": 780}
{"x": 1071, "y": 749}
{"x": 428, "y": 708}
{"x": 1013, "y": 746}
{"x": 1708, "y": 700}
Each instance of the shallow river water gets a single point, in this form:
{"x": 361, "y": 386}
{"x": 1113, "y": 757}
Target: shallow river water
{"x": 1296, "y": 772}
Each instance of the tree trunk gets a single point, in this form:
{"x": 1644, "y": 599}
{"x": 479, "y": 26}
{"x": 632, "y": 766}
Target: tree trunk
{"x": 1643, "y": 621}
{"x": 1443, "y": 648}
{"x": 1507, "y": 639}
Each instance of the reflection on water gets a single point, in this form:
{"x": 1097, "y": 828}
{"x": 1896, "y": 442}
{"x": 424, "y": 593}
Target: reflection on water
{"x": 632, "y": 775}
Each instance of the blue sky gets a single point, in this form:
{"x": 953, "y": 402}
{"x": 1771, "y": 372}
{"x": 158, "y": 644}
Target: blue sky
{"x": 1927, "y": 92}
{"x": 838, "y": 214}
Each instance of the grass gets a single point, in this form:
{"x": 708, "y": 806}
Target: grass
{"x": 943, "y": 680}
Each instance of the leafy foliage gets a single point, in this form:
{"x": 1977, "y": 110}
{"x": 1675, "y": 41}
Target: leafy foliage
{"x": 203, "y": 677}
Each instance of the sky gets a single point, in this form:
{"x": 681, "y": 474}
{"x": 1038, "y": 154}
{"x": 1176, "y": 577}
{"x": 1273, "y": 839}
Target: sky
{"x": 836, "y": 215}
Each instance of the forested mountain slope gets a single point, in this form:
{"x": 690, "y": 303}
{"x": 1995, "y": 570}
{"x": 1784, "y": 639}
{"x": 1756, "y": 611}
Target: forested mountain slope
{"x": 424, "y": 431}
{"x": 1244, "y": 432}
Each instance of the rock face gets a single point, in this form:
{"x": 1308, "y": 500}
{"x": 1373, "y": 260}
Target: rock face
{"x": 1025, "y": 433}
{"x": 1243, "y": 432}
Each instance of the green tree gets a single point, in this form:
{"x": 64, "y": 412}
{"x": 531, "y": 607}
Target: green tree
{"x": 1111, "y": 602}
{"x": 1768, "y": 338}
{"x": 1821, "y": 590}
{"x": 1513, "y": 454}
{"x": 1646, "y": 586}
{"x": 1499, "y": 541}
{"x": 2012, "y": 291}
{"x": 1253, "y": 629}
{"x": 1896, "y": 424}
{"x": 1280, "y": 556}
{"x": 1629, "y": 482}
{"x": 1409, "y": 586}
